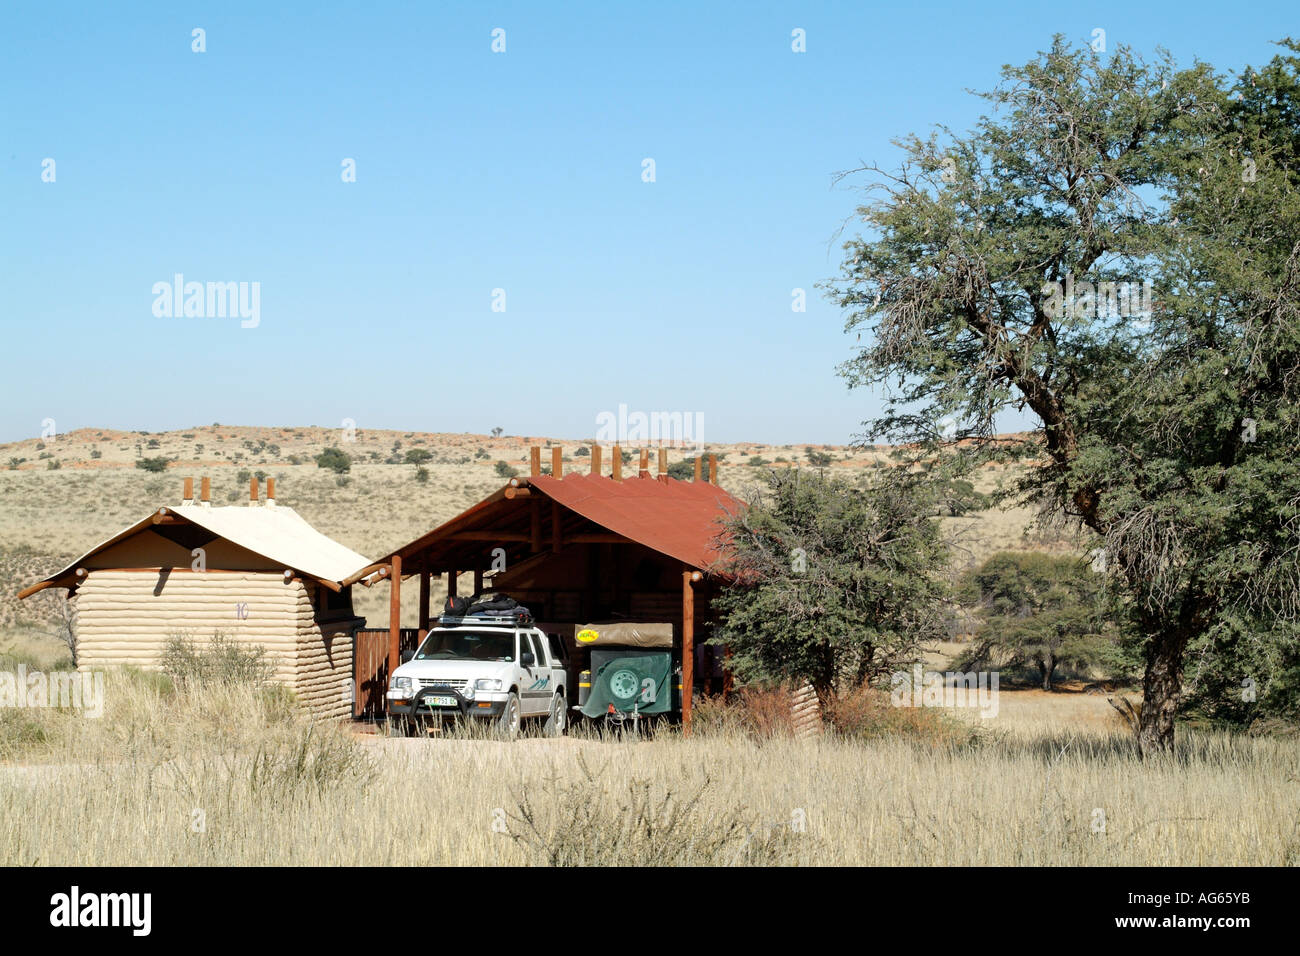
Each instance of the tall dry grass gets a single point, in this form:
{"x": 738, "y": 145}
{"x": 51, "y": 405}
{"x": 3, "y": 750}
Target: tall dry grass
{"x": 235, "y": 776}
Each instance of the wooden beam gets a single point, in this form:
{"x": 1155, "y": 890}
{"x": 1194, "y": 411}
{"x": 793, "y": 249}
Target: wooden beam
{"x": 557, "y": 462}
{"x": 598, "y": 537}
{"x": 688, "y": 647}
{"x": 595, "y": 458}
{"x": 698, "y": 465}
{"x": 478, "y": 581}
{"x": 663, "y": 460}
{"x": 514, "y": 492}
{"x": 535, "y": 460}
{"x": 38, "y": 586}
{"x": 451, "y": 584}
{"x": 488, "y": 536}
{"x": 557, "y": 532}
{"x": 536, "y": 519}
{"x": 395, "y": 618}
{"x": 365, "y": 572}
{"x": 616, "y": 462}
{"x": 713, "y": 469}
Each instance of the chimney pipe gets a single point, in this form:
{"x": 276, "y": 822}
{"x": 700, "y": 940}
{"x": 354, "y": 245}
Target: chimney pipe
{"x": 187, "y": 496}
{"x": 616, "y": 459}
{"x": 205, "y": 492}
{"x": 270, "y": 492}
{"x": 644, "y": 470}
{"x": 252, "y": 491}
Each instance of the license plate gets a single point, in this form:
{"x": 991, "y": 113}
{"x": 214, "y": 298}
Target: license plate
{"x": 440, "y": 701}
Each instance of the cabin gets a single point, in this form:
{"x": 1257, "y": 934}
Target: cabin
{"x": 574, "y": 548}
{"x": 258, "y": 574}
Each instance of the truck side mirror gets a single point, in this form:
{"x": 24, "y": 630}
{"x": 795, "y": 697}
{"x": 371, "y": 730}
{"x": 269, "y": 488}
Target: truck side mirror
{"x": 527, "y": 659}
{"x": 407, "y": 655}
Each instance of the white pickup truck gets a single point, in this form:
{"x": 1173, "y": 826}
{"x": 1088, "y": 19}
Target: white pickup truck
{"x": 482, "y": 668}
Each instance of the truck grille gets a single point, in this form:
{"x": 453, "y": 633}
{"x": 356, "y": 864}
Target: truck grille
{"x": 443, "y": 682}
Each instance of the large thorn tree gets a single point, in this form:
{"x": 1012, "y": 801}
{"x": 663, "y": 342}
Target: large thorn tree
{"x": 982, "y": 283}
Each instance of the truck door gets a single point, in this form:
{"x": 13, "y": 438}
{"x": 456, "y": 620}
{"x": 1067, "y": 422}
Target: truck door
{"x": 536, "y": 684}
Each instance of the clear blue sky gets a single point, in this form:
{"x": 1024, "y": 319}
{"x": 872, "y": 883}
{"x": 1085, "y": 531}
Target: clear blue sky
{"x": 477, "y": 171}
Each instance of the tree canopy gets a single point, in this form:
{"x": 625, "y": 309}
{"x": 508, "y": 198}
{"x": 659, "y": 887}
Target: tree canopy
{"x": 1116, "y": 249}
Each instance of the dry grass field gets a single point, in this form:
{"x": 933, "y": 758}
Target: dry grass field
{"x": 233, "y": 776}
{"x": 229, "y": 776}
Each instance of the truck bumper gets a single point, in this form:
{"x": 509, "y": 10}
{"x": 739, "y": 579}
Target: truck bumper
{"x": 420, "y": 705}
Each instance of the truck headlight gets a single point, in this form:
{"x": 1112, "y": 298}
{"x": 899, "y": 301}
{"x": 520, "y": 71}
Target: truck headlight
{"x": 487, "y": 683}
{"x": 403, "y": 684}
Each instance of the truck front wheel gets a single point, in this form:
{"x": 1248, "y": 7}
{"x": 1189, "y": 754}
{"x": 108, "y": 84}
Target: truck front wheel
{"x": 509, "y": 720}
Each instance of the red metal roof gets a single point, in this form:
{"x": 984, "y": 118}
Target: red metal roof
{"x": 682, "y": 519}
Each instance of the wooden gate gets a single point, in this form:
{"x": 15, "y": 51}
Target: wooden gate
{"x": 370, "y": 669}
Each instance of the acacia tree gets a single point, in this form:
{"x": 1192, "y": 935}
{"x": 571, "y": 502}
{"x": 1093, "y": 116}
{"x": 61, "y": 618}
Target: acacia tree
{"x": 1039, "y": 609}
{"x": 831, "y": 582}
{"x": 1162, "y": 427}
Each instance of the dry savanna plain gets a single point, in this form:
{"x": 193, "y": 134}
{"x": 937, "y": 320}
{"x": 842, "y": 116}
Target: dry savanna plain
{"x": 233, "y": 774}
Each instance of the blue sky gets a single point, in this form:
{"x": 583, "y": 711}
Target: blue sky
{"x": 477, "y": 171}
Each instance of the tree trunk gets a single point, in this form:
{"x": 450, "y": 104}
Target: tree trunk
{"x": 1047, "y": 666}
{"x": 1162, "y": 684}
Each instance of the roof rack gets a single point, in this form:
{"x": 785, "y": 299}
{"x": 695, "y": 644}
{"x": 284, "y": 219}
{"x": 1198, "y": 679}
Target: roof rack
{"x": 513, "y": 620}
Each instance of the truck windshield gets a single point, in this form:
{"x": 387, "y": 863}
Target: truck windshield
{"x": 455, "y": 644}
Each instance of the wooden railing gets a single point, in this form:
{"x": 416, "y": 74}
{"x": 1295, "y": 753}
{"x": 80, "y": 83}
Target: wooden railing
{"x": 370, "y": 669}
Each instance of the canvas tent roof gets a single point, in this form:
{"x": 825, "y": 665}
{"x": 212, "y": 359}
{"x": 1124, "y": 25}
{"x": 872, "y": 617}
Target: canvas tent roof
{"x": 277, "y": 533}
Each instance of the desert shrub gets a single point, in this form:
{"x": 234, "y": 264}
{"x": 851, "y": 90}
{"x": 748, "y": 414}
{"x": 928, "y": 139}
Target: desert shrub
{"x": 759, "y": 710}
{"x": 153, "y": 465}
{"x": 868, "y": 713}
{"x": 335, "y": 459}
{"x": 588, "y": 821}
{"x": 219, "y": 661}
{"x": 682, "y": 470}
{"x": 504, "y": 470}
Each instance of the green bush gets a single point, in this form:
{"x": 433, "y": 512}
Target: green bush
{"x": 335, "y": 459}
{"x": 154, "y": 465}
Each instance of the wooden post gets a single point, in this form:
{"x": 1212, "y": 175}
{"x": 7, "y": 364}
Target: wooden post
{"x": 713, "y": 469}
{"x": 644, "y": 470}
{"x": 688, "y": 647}
{"x": 557, "y": 532}
{"x": 424, "y": 603}
{"x": 595, "y": 459}
{"x": 188, "y": 493}
{"x": 395, "y": 617}
{"x": 557, "y": 462}
{"x": 535, "y": 460}
{"x": 478, "y": 581}
{"x": 663, "y": 460}
{"x": 451, "y": 584}
{"x": 616, "y": 458}
{"x": 205, "y": 489}
{"x": 697, "y": 467}
{"x": 252, "y": 490}
{"x": 535, "y": 519}
{"x": 270, "y": 489}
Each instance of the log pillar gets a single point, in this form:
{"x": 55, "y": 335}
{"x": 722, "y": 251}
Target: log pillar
{"x": 424, "y": 603}
{"x": 395, "y": 617}
{"x": 689, "y": 578}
